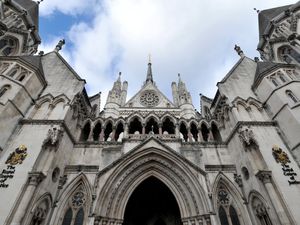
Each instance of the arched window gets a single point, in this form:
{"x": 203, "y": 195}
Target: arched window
{"x": 4, "y": 89}
{"x": 108, "y": 132}
{"x": 151, "y": 127}
{"x": 223, "y": 216}
{"x": 76, "y": 207}
{"x": 183, "y": 132}
{"x": 260, "y": 212}
{"x": 135, "y": 126}
{"x": 216, "y": 133}
{"x": 68, "y": 217}
{"x": 282, "y": 78}
{"x": 96, "y": 132}
{"x": 194, "y": 132}
{"x": 274, "y": 82}
{"x": 233, "y": 216}
{"x": 168, "y": 126}
{"x": 21, "y": 77}
{"x": 85, "y": 132}
{"x": 288, "y": 54}
{"x": 40, "y": 213}
{"x": 291, "y": 95}
{"x": 204, "y": 132}
{"x": 8, "y": 46}
{"x": 13, "y": 73}
{"x": 119, "y": 132}
{"x": 226, "y": 202}
{"x": 79, "y": 217}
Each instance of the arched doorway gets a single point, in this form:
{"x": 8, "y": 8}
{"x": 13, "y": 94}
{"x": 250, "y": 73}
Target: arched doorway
{"x": 152, "y": 203}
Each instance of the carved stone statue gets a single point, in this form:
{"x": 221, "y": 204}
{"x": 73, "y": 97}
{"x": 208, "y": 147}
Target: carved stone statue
{"x": 246, "y": 136}
{"x": 53, "y": 136}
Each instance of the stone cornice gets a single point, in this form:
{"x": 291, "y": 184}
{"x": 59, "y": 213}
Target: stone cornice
{"x": 51, "y": 122}
{"x": 217, "y": 168}
{"x": 249, "y": 123}
{"x": 82, "y": 168}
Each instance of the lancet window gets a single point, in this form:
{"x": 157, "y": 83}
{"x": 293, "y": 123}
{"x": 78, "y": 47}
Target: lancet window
{"x": 226, "y": 208}
{"x": 74, "y": 214}
{"x": 8, "y": 46}
{"x": 261, "y": 212}
{"x": 168, "y": 127}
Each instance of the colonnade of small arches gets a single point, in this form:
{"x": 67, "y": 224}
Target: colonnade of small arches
{"x": 136, "y": 127}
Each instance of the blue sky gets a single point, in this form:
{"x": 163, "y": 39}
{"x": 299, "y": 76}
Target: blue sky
{"x": 192, "y": 37}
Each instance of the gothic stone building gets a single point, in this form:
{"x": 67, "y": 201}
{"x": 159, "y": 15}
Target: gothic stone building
{"x": 149, "y": 160}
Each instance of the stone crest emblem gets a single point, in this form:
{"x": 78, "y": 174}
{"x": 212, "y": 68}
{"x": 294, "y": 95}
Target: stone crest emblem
{"x": 18, "y": 156}
{"x": 280, "y": 156}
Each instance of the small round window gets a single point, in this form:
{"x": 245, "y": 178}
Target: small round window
{"x": 55, "y": 174}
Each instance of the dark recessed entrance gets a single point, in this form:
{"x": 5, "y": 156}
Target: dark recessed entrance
{"x": 152, "y": 203}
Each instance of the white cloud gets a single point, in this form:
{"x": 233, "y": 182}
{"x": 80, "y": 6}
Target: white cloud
{"x": 195, "y": 38}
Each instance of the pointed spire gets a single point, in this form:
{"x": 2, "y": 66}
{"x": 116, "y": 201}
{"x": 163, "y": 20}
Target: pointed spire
{"x": 119, "y": 78}
{"x": 149, "y": 71}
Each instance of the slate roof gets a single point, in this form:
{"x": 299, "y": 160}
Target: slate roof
{"x": 264, "y": 68}
{"x": 34, "y": 61}
{"x": 265, "y": 17}
{"x": 32, "y": 8}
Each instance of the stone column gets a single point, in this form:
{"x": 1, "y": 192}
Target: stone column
{"x": 177, "y": 130}
{"x": 266, "y": 178}
{"x": 101, "y": 136}
{"x": 33, "y": 181}
{"x": 143, "y": 129}
{"x": 126, "y": 130}
{"x": 200, "y": 138}
{"x": 210, "y": 135}
{"x": 160, "y": 129}
{"x": 235, "y": 113}
{"x": 113, "y": 134}
{"x": 190, "y": 135}
{"x": 90, "y": 138}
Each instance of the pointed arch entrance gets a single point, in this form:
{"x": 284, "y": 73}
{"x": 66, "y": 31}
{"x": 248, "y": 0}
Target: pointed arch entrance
{"x": 183, "y": 179}
{"x": 152, "y": 203}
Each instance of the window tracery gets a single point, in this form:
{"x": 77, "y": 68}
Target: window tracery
{"x": 8, "y": 46}
{"x": 149, "y": 98}
{"x": 74, "y": 215}
{"x": 226, "y": 207}
{"x": 260, "y": 212}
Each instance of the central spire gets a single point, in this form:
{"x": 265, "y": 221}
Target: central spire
{"x": 149, "y": 71}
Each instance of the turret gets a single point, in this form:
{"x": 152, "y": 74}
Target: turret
{"x": 19, "y": 28}
{"x": 116, "y": 96}
{"x": 183, "y": 99}
{"x": 175, "y": 93}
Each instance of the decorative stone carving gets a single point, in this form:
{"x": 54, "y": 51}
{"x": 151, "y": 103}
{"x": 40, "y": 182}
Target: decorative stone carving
{"x": 78, "y": 199}
{"x": 53, "y": 136}
{"x": 238, "y": 180}
{"x": 265, "y": 176}
{"x": 62, "y": 181}
{"x": 35, "y": 178}
{"x": 223, "y": 196}
{"x": 246, "y": 136}
{"x": 149, "y": 98}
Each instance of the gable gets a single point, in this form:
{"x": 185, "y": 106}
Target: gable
{"x": 149, "y": 97}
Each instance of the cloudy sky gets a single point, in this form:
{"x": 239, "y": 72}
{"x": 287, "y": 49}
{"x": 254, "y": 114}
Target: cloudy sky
{"x": 192, "y": 37}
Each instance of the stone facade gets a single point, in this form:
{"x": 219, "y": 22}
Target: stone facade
{"x": 148, "y": 159}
